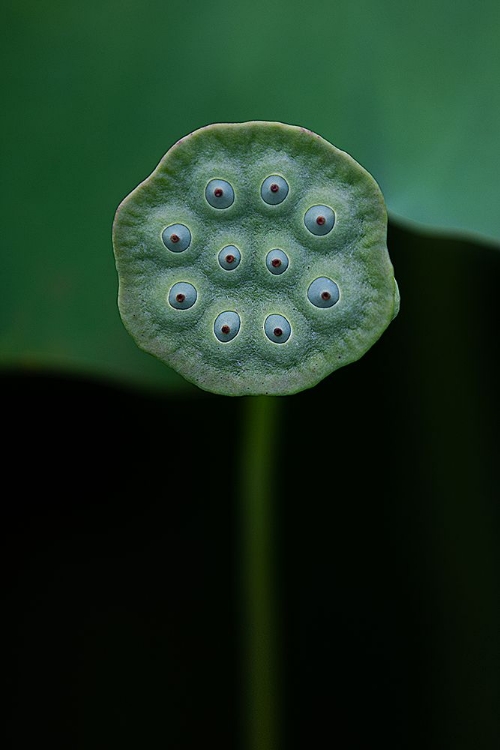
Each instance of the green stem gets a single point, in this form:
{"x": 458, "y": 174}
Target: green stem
{"x": 256, "y": 550}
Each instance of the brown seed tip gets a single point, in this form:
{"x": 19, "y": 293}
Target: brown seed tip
{"x": 276, "y": 262}
{"x": 320, "y": 220}
{"x": 274, "y": 187}
{"x": 180, "y": 297}
{"x": 230, "y": 258}
{"x": 278, "y": 332}
{"x": 174, "y": 238}
{"x": 225, "y": 329}
{"x": 218, "y": 192}
{"x": 325, "y": 295}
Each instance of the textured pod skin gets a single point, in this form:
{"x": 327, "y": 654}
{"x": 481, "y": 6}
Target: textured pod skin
{"x": 353, "y": 255}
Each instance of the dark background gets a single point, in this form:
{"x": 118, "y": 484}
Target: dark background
{"x": 122, "y": 542}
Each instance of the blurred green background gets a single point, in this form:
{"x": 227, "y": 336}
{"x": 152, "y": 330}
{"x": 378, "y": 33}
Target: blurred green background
{"x": 95, "y": 93}
{"x": 124, "y": 584}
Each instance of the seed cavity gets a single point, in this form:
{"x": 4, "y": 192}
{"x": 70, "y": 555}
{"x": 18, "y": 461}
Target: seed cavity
{"x": 274, "y": 190}
{"x": 277, "y": 328}
{"x": 319, "y": 220}
{"x": 176, "y": 237}
{"x": 229, "y": 257}
{"x": 219, "y": 194}
{"x": 227, "y": 325}
{"x": 182, "y": 295}
{"x": 323, "y": 292}
{"x": 277, "y": 261}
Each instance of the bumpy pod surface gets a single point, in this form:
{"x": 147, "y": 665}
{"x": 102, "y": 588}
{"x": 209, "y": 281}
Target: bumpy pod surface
{"x": 253, "y": 260}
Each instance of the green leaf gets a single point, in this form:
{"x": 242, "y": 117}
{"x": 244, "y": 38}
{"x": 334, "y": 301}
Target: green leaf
{"x": 94, "y": 95}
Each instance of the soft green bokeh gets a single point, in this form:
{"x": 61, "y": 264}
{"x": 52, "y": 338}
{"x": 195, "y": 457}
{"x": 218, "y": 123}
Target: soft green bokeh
{"x": 95, "y": 93}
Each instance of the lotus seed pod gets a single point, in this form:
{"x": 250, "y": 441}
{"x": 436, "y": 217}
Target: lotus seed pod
{"x": 253, "y": 260}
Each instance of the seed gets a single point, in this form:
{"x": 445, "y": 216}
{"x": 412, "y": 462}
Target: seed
{"x": 277, "y": 262}
{"x": 176, "y": 237}
{"x": 323, "y": 292}
{"x": 219, "y": 194}
{"x": 319, "y": 220}
{"x": 277, "y": 329}
{"x": 274, "y": 190}
{"x": 182, "y": 295}
{"x": 227, "y": 326}
{"x": 229, "y": 257}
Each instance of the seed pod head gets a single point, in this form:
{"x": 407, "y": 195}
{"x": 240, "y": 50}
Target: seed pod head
{"x": 253, "y": 260}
